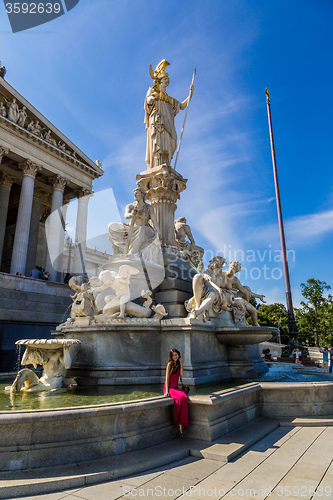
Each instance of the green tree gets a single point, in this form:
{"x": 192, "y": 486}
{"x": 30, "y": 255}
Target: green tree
{"x": 313, "y": 292}
{"x": 275, "y": 315}
{"x": 326, "y": 322}
{"x": 305, "y": 320}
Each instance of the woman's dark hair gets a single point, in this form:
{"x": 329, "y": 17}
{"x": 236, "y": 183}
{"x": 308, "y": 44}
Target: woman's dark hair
{"x": 174, "y": 367}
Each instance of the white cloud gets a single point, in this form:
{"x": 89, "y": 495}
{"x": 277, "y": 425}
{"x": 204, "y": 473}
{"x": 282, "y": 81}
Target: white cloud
{"x": 300, "y": 231}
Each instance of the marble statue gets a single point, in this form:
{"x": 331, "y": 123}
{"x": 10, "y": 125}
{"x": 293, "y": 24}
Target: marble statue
{"x": 242, "y": 293}
{"x": 62, "y": 147}
{"x": 49, "y": 139}
{"x": 208, "y": 289}
{"x": 129, "y": 239}
{"x": 118, "y": 304}
{"x": 35, "y": 128}
{"x": 83, "y": 299}
{"x": 160, "y": 112}
{"x": 3, "y": 111}
{"x": 216, "y": 290}
{"x": 22, "y": 116}
{"x": 2, "y": 71}
{"x": 189, "y": 248}
{"x": 13, "y": 111}
{"x": 53, "y": 355}
{"x": 31, "y": 126}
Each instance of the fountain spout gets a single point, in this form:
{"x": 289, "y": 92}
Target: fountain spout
{"x": 53, "y": 355}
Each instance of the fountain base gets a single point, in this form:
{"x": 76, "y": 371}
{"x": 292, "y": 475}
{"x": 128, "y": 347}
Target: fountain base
{"x": 132, "y": 352}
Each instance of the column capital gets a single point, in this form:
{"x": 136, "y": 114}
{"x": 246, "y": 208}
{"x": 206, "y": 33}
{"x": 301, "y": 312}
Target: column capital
{"x": 3, "y": 151}
{"x": 82, "y": 192}
{"x": 58, "y": 183}
{"x": 6, "y": 180}
{"x": 30, "y": 168}
{"x": 162, "y": 184}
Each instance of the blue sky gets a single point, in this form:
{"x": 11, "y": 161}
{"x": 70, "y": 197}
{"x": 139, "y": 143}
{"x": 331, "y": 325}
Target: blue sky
{"x": 87, "y": 72}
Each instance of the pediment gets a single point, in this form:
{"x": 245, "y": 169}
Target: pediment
{"x": 18, "y": 114}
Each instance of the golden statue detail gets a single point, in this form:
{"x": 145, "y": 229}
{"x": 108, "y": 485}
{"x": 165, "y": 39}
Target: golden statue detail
{"x": 267, "y": 95}
{"x": 160, "y": 112}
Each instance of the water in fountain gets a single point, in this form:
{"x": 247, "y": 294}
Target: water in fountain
{"x": 84, "y": 396}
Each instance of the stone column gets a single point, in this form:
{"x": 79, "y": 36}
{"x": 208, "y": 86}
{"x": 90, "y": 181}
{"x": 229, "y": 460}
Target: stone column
{"x": 6, "y": 182}
{"x": 22, "y": 229}
{"x": 34, "y": 228}
{"x": 81, "y": 231}
{"x": 53, "y": 228}
{"x": 163, "y": 186}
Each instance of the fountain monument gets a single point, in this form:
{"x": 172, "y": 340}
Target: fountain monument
{"x": 153, "y": 293}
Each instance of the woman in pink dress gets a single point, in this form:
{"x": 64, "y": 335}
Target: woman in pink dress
{"x": 173, "y": 371}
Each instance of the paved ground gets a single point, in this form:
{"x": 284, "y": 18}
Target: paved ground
{"x": 290, "y": 462}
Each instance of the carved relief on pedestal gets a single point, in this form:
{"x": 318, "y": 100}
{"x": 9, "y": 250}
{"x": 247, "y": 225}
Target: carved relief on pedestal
{"x": 3, "y": 152}
{"x": 30, "y": 168}
{"x": 6, "y": 180}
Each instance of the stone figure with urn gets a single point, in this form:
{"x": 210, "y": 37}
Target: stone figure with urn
{"x": 53, "y": 355}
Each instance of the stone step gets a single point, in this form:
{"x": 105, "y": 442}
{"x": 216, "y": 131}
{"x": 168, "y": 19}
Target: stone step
{"x": 47, "y": 480}
{"x": 51, "y": 479}
{"x": 229, "y": 446}
{"x": 306, "y": 422}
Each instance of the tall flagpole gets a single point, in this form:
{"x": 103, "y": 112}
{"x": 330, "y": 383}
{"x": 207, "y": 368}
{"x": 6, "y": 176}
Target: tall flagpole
{"x": 293, "y": 331}
{"x": 181, "y": 134}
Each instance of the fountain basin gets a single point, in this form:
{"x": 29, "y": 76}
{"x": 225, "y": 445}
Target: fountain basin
{"x": 39, "y": 438}
{"x": 245, "y": 335}
{"x": 131, "y": 352}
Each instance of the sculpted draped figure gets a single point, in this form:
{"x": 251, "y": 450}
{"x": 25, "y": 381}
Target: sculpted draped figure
{"x": 217, "y": 290}
{"x": 189, "y": 248}
{"x": 161, "y": 110}
{"x": 128, "y": 239}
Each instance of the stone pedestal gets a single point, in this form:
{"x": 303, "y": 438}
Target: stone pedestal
{"x": 163, "y": 186}
{"x": 136, "y": 351}
{"x": 177, "y": 284}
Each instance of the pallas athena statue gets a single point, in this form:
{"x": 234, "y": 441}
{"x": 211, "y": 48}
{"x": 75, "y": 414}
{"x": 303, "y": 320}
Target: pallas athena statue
{"x": 160, "y": 112}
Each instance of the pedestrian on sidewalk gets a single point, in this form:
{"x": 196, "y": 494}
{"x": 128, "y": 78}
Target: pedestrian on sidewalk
{"x": 325, "y": 359}
{"x": 298, "y": 355}
{"x": 331, "y": 358}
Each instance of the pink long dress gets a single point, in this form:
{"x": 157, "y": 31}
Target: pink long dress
{"x": 180, "y": 399}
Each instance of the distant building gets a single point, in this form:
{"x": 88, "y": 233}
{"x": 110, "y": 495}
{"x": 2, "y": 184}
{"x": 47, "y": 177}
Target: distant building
{"x": 40, "y": 172}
